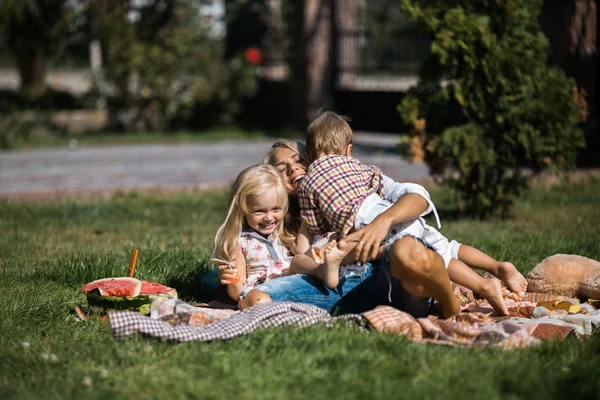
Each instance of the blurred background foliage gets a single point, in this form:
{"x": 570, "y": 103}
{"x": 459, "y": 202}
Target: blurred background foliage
{"x": 161, "y": 64}
{"x": 383, "y": 20}
{"x": 32, "y": 29}
{"x": 489, "y": 103}
{"x": 488, "y": 109}
{"x": 166, "y": 66}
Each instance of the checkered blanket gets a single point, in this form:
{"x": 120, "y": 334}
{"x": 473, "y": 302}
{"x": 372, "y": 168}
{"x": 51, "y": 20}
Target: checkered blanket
{"x": 126, "y": 323}
{"x": 467, "y": 330}
{"x": 528, "y": 322}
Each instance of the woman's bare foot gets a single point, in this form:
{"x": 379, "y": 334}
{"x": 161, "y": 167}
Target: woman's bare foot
{"x": 491, "y": 290}
{"x": 330, "y": 271}
{"x": 512, "y": 278}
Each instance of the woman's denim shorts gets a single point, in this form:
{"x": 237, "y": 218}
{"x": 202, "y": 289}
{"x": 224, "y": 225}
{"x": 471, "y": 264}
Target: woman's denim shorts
{"x": 354, "y": 294}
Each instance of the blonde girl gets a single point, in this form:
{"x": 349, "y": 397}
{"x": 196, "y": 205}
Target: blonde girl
{"x": 250, "y": 238}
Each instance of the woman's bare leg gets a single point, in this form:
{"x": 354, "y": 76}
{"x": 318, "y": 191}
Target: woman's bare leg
{"x": 503, "y": 270}
{"x": 255, "y": 297}
{"x": 422, "y": 273}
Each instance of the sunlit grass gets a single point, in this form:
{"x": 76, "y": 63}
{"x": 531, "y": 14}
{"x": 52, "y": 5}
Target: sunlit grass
{"x": 49, "y": 250}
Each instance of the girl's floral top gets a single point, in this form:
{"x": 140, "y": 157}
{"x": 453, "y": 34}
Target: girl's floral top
{"x": 266, "y": 258}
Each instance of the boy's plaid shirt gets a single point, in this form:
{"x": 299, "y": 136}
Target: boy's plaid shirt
{"x": 333, "y": 190}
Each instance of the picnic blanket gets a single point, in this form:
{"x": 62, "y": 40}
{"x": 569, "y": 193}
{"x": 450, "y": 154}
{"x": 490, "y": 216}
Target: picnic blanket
{"x": 529, "y": 322}
{"x": 260, "y": 316}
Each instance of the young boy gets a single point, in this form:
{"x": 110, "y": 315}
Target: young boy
{"x": 340, "y": 194}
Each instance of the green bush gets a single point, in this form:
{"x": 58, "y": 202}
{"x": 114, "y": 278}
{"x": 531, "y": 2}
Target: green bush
{"x": 487, "y": 108}
{"x": 164, "y": 64}
{"x": 17, "y": 128}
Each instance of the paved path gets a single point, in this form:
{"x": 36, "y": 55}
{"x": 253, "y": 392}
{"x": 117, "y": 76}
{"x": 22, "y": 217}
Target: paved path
{"x": 39, "y": 173}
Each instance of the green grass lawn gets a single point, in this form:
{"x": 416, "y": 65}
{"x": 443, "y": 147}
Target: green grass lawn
{"x": 49, "y": 250}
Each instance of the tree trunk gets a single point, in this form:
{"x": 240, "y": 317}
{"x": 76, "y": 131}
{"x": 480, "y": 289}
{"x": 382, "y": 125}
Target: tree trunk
{"x": 570, "y": 27}
{"x": 299, "y": 81}
{"x": 347, "y": 51}
{"x": 273, "y": 42}
{"x": 597, "y": 65}
{"x": 311, "y": 66}
{"x": 572, "y": 30}
{"x": 31, "y": 65}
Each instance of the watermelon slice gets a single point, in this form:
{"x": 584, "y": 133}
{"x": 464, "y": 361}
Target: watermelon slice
{"x": 157, "y": 288}
{"x": 124, "y": 286}
{"x": 125, "y": 294}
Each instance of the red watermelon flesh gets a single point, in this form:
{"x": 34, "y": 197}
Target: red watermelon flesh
{"x": 157, "y": 288}
{"x": 122, "y": 287}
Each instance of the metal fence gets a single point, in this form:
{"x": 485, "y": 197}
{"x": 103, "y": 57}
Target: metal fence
{"x": 376, "y": 46}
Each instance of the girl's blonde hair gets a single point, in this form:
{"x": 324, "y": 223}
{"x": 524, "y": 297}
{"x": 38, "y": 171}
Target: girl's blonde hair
{"x": 292, "y": 220}
{"x": 252, "y": 183}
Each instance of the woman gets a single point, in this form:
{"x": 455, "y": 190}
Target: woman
{"x": 415, "y": 271}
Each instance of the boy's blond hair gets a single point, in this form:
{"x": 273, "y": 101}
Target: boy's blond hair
{"x": 252, "y": 183}
{"x": 329, "y": 133}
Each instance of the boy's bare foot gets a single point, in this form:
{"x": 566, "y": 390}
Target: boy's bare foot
{"x": 332, "y": 257}
{"x": 491, "y": 290}
{"x": 512, "y": 278}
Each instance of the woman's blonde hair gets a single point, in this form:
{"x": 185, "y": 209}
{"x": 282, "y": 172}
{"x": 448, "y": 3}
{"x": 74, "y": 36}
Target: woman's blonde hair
{"x": 296, "y": 147}
{"x": 292, "y": 220}
{"x": 251, "y": 184}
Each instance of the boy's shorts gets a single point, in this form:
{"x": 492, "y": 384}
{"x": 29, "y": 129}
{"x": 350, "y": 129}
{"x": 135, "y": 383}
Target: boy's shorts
{"x": 416, "y": 228}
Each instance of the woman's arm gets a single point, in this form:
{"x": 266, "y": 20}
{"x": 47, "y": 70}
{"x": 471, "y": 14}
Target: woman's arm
{"x": 410, "y": 202}
{"x": 395, "y": 190}
{"x": 369, "y": 238}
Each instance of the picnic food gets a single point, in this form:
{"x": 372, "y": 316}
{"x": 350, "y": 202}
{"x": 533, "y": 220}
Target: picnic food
{"x": 235, "y": 279}
{"x": 230, "y": 265}
{"x": 129, "y": 287}
{"x": 124, "y": 293}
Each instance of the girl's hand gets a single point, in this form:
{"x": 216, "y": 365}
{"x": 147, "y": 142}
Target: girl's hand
{"x": 227, "y": 273}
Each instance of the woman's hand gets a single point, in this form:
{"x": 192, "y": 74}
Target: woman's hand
{"x": 368, "y": 239}
{"x": 409, "y": 206}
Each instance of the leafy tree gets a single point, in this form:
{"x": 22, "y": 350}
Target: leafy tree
{"x": 164, "y": 63}
{"x": 32, "y": 28}
{"x": 487, "y": 107}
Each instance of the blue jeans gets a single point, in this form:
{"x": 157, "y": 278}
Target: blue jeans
{"x": 354, "y": 294}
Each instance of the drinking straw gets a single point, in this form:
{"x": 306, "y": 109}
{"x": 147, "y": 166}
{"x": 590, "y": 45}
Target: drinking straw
{"x": 132, "y": 262}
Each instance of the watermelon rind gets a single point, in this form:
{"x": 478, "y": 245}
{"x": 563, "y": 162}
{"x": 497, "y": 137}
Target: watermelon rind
{"x": 137, "y": 285}
{"x": 141, "y": 303}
